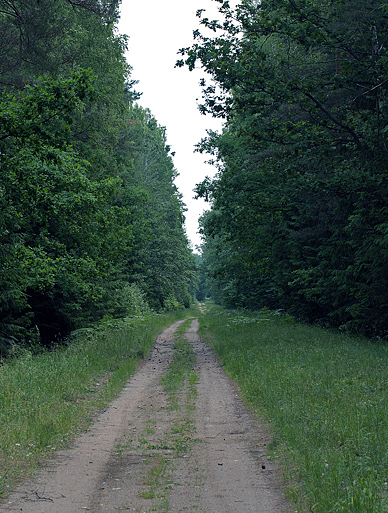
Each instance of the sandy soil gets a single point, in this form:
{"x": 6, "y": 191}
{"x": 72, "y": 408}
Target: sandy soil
{"x": 206, "y": 454}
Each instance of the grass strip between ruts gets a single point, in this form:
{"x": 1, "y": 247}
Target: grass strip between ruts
{"x": 163, "y": 448}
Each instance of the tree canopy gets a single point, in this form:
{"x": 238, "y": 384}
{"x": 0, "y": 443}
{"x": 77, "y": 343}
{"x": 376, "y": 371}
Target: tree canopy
{"x": 299, "y": 204}
{"x": 91, "y": 222}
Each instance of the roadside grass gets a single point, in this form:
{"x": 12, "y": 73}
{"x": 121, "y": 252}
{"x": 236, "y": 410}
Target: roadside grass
{"x": 324, "y": 394}
{"x": 46, "y": 399}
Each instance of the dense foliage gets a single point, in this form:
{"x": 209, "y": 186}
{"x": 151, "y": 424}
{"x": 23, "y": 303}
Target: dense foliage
{"x": 299, "y": 205}
{"x": 91, "y": 223}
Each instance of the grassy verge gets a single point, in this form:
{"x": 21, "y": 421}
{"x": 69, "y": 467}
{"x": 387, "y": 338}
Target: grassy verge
{"x": 46, "y": 399}
{"x": 325, "y": 396}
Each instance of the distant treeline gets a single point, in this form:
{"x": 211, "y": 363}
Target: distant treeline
{"x": 91, "y": 223}
{"x": 299, "y": 216}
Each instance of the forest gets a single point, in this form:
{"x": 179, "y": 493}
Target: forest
{"x": 91, "y": 222}
{"x": 299, "y": 212}
{"x": 92, "y": 240}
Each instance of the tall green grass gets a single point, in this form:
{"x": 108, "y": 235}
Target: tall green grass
{"x": 326, "y": 397}
{"x": 46, "y": 399}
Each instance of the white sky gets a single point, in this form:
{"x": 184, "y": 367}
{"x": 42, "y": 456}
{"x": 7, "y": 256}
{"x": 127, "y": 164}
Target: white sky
{"x": 157, "y": 30}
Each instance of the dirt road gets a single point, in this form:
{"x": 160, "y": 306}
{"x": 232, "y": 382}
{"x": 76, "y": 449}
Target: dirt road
{"x": 193, "y": 450}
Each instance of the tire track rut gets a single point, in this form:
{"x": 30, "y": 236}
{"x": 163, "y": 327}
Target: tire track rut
{"x": 205, "y": 454}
